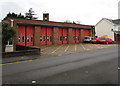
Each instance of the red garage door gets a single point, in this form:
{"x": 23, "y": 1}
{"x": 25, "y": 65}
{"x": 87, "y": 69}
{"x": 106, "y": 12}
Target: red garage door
{"x": 74, "y": 35}
{"x": 29, "y": 32}
{"x": 60, "y": 34}
{"x": 46, "y": 36}
{"x": 65, "y": 35}
{"x": 77, "y": 35}
{"x": 21, "y": 35}
{"x": 43, "y": 33}
{"x": 87, "y": 33}
{"x": 49, "y": 35}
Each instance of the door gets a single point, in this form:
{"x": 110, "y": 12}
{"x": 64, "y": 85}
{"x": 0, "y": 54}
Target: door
{"x": 87, "y": 33}
{"x": 65, "y": 36}
{"x": 77, "y": 35}
{"x": 29, "y": 32}
{"x": 21, "y": 35}
{"x": 74, "y": 35}
{"x": 60, "y": 36}
{"x": 49, "y": 35}
{"x": 43, "y": 34}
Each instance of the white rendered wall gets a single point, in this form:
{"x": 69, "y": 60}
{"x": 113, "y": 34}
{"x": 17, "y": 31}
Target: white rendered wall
{"x": 104, "y": 28}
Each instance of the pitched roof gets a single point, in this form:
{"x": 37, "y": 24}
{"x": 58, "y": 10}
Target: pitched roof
{"x": 116, "y": 21}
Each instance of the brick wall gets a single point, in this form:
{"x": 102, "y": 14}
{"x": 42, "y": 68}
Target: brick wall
{"x": 37, "y": 36}
{"x": 55, "y": 35}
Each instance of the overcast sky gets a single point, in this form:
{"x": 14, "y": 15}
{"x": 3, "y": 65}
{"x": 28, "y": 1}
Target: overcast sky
{"x": 88, "y": 12}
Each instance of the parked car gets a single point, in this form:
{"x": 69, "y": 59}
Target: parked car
{"x": 95, "y": 40}
{"x": 87, "y": 39}
{"x": 105, "y": 40}
{"x": 102, "y": 40}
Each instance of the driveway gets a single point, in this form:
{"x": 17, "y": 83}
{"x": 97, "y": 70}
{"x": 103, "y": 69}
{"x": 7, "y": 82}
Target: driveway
{"x": 50, "y": 50}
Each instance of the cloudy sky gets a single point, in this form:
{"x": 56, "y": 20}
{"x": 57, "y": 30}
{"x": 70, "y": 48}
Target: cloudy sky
{"x": 88, "y": 12}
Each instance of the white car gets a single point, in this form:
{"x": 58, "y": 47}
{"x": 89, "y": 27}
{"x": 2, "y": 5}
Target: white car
{"x": 87, "y": 39}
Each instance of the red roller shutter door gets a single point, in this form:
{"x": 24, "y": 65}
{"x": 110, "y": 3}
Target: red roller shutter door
{"x": 29, "y": 35}
{"x": 49, "y": 36}
{"x": 21, "y": 35}
{"x": 65, "y": 36}
{"x": 73, "y": 35}
{"x": 87, "y": 33}
{"x": 77, "y": 35}
{"x": 43, "y": 33}
{"x": 60, "y": 34}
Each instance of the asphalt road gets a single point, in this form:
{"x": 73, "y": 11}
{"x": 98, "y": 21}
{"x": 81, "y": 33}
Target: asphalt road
{"x": 87, "y": 67}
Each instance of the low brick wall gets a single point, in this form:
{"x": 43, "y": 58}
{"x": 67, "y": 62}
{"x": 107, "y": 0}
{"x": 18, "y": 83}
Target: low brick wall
{"x": 29, "y": 50}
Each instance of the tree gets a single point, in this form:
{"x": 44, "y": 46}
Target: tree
{"x": 29, "y": 14}
{"x": 7, "y": 34}
{"x": 14, "y": 15}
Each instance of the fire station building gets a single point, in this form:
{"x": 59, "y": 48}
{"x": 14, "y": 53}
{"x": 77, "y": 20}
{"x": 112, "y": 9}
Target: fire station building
{"x": 45, "y": 32}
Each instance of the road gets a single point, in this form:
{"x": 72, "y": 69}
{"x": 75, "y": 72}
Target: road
{"x": 86, "y": 67}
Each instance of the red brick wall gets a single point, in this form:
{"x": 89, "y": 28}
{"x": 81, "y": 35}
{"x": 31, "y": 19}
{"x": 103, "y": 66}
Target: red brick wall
{"x": 37, "y": 36}
{"x": 55, "y": 35}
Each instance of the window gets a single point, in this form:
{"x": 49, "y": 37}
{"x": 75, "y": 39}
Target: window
{"x": 74, "y": 37}
{"x": 28, "y": 39}
{"x": 23, "y": 39}
{"x": 40, "y": 38}
{"x": 18, "y": 38}
{"x": 61, "y": 38}
{"x": 50, "y": 38}
{"x": 78, "y": 37}
{"x": 65, "y": 38}
{"x": 9, "y": 42}
{"x": 31, "y": 38}
{"x": 44, "y": 39}
{"x": 102, "y": 38}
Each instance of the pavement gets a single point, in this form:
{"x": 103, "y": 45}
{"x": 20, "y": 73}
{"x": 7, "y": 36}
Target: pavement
{"x": 57, "y": 50}
{"x": 19, "y": 58}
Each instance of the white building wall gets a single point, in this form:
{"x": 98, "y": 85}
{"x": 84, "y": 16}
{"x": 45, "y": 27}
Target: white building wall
{"x": 104, "y": 28}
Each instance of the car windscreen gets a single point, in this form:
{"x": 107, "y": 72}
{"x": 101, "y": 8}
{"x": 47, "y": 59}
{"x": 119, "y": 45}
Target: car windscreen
{"x": 102, "y": 38}
{"x": 86, "y": 37}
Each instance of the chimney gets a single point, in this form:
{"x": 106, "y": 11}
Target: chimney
{"x": 45, "y": 16}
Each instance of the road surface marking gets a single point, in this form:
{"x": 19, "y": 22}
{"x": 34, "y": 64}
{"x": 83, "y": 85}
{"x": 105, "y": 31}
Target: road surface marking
{"x": 84, "y": 47}
{"x": 15, "y": 62}
{"x": 45, "y": 48}
{"x": 57, "y": 49}
{"x": 67, "y": 48}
